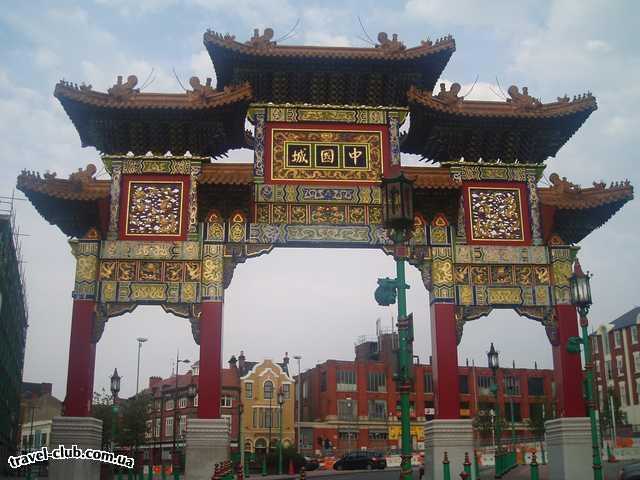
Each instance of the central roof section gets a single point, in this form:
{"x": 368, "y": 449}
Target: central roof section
{"x": 377, "y": 76}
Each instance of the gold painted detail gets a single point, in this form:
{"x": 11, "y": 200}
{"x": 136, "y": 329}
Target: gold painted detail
{"x": 504, "y": 296}
{"x": 125, "y": 249}
{"x": 86, "y": 268}
{"x": 496, "y": 214}
{"x": 154, "y": 208}
{"x": 442, "y": 271}
{"x": 501, "y": 254}
{"x": 327, "y": 113}
{"x": 143, "y": 291}
{"x": 314, "y": 214}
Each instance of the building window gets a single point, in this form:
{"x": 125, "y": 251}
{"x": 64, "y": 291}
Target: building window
{"x": 267, "y": 390}
{"x": 595, "y": 343}
{"x": 248, "y": 391}
{"x": 226, "y": 401}
{"x": 617, "y": 338}
{"x": 428, "y": 383}
{"x": 636, "y": 361}
{"x": 619, "y": 365}
{"x": 347, "y": 409}
{"x": 597, "y": 366}
{"x": 305, "y": 390}
{"x": 168, "y": 427}
{"x": 227, "y": 418}
{"x": 346, "y": 380}
{"x": 609, "y": 370}
{"x": 157, "y": 404}
{"x": 484, "y": 384}
{"x": 149, "y": 429}
{"x": 373, "y": 435}
{"x": 156, "y": 428}
{"x": 195, "y": 400}
{"x": 463, "y": 381}
{"x": 348, "y": 435}
{"x": 638, "y": 387}
{"x": 265, "y": 417}
{"x": 286, "y": 391}
{"x": 634, "y": 334}
{"x": 168, "y": 405}
{"x": 182, "y": 402}
{"x": 195, "y": 371}
{"x": 623, "y": 394}
{"x": 182, "y": 424}
{"x": 376, "y": 382}
{"x": 377, "y": 409}
{"x": 512, "y": 385}
{"x": 516, "y": 411}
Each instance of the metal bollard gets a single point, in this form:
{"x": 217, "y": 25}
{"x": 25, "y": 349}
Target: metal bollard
{"x": 303, "y": 473}
{"x": 467, "y": 464}
{"x": 534, "y": 467}
{"x": 446, "y": 468}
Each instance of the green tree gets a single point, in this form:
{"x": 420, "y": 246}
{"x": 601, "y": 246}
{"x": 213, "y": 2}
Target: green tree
{"x": 485, "y": 424}
{"x": 102, "y": 410}
{"x": 536, "y": 425}
{"x": 133, "y": 416}
{"x": 605, "y": 411}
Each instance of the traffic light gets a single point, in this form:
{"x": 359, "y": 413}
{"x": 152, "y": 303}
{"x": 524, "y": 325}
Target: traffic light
{"x": 385, "y": 294}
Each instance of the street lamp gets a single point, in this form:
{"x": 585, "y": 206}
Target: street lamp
{"x": 115, "y": 389}
{"x": 580, "y": 289}
{"x": 240, "y": 436}
{"x": 298, "y": 358}
{"x": 174, "y": 453}
{"x": 398, "y": 219}
{"x": 493, "y": 360}
{"x": 350, "y": 414}
{"x": 280, "y": 402}
{"x": 140, "y": 340}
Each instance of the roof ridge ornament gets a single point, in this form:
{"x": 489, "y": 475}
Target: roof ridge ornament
{"x": 122, "y": 91}
{"x": 261, "y": 41}
{"x": 84, "y": 175}
{"x": 523, "y": 100}
{"x": 200, "y": 91}
{"x": 450, "y": 97}
{"x": 393, "y": 45}
{"x": 562, "y": 185}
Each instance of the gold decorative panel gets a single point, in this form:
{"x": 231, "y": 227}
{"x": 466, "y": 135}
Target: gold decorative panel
{"x": 496, "y": 214}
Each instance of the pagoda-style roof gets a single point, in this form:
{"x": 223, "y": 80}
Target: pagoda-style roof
{"x": 378, "y": 75}
{"x": 573, "y": 212}
{"x": 447, "y": 127}
{"x": 203, "y": 121}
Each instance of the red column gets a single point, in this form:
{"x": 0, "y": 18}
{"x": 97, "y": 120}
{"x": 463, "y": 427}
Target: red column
{"x": 445, "y": 361}
{"x": 567, "y": 367}
{"x": 210, "y": 379}
{"x": 82, "y": 359}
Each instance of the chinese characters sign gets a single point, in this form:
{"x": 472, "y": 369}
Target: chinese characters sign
{"x": 496, "y": 214}
{"x": 154, "y": 207}
{"x": 306, "y": 155}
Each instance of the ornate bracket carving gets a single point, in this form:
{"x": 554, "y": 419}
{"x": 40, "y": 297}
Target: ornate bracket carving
{"x": 104, "y": 311}
{"x": 467, "y": 313}
{"x": 185, "y": 310}
{"x": 546, "y": 316}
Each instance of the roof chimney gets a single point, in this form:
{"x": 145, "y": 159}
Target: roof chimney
{"x": 241, "y": 359}
{"x": 154, "y": 381}
{"x": 233, "y": 362}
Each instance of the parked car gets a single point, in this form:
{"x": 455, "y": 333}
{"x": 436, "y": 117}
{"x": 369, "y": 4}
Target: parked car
{"x": 361, "y": 460}
{"x": 311, "y": 463}
{"x": 630, "y": 472}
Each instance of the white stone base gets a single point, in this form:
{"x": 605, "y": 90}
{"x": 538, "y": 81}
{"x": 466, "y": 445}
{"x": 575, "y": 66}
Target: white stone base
{"x": 85, "y": 432}
{"x": 207, "y": 443}
{"x": 452, "y": 436}
{"x": 569, "y": 448}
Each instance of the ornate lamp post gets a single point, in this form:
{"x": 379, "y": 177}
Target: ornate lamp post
{"x": 493, "y": 361}
{"x": 174, "y": 452}
{"x": 280, "y": 403}
{"x": 115, "y": 389}
{"x": 581, "y": 298}
{"x": 398, "y": 218}
{"x": 299, "y": 400}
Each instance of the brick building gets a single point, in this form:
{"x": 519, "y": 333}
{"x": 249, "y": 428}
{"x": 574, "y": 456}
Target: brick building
{"x": 349, "y": 405}
{"x": 168, "y": 406}
{"x": 616, "y": 354}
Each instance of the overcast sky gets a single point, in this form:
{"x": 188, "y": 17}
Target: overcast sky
{"x": 310, "y": 302}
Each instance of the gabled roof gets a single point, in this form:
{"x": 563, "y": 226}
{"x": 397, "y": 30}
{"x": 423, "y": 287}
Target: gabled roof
{"x": 379, "y": 75}
{"x": 632, "y": 317}
{"x": 202, "y": 121}
{"x": 446, "y": 127}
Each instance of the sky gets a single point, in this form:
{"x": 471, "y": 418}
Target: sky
{"x": 313, "y": 303}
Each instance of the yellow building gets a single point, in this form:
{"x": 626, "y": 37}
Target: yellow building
{"x": 263, "y": 385}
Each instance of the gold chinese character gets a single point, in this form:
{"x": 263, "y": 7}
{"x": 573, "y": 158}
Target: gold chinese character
{"x": 299, "y": 156}
{"x": 355, "y": 155}
{"x": 326, "y": 156}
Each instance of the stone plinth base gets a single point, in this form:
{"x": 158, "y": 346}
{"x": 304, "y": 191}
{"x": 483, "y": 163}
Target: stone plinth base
{"x": 452, "y": 436}
{"x": 207, "y": 443}
{"x": 569, "y": 448}
{"x": 85, "y": 432}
